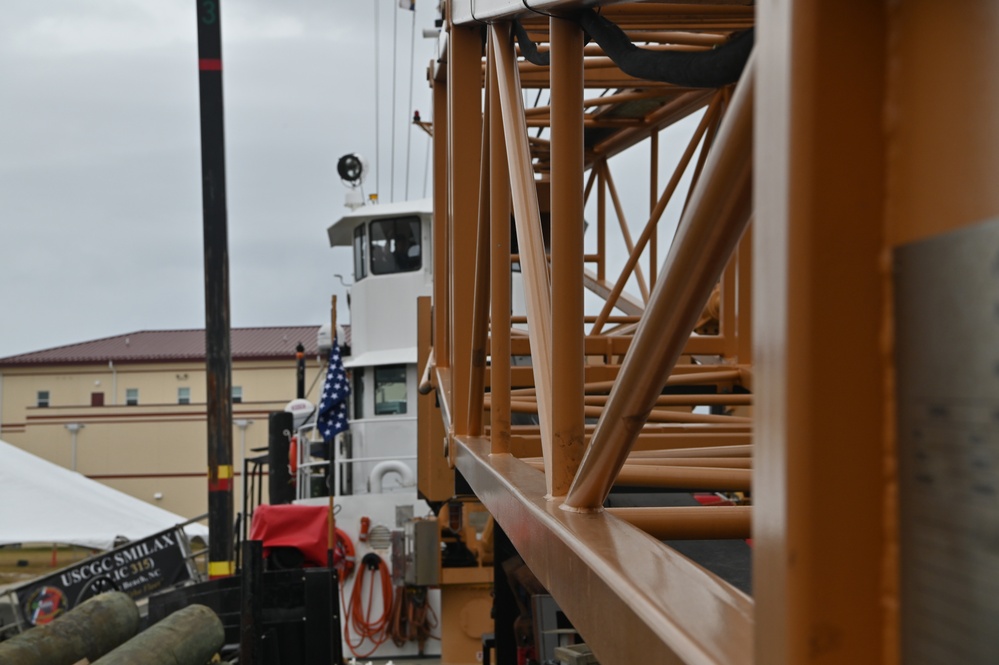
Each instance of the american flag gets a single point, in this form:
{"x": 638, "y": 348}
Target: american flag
{"x": 332, "y": 417}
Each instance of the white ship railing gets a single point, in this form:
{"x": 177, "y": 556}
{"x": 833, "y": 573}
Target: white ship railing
{"x": 308, "y": 466}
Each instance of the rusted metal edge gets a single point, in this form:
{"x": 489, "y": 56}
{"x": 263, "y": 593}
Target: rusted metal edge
{"x": 632, "y": 598}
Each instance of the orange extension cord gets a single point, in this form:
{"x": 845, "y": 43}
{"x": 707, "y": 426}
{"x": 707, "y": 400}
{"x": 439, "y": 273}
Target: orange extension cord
{"x": 413, "y": 620}
{"x": 358, "y": 618}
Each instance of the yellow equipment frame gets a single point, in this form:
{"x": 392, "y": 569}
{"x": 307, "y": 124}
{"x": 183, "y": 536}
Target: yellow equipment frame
{"x": 839, "y": 143}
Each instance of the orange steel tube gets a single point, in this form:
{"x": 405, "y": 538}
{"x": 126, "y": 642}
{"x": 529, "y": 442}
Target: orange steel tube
{"x": 690, "y": 522}
{"x": 591, "y": 258}
{"x": 711, "y": 462}
{"x": 442, "y": 295}
{"x": 727, "y": 308}
{"x": 685, "y": 477}
{"x": 464, "y": 162}
{"x": 680, "y": 107}
{"x": 631, "y": 596}
{"x": 745, "y": 450}
{"x": 709, "y": 140}
{"x": 593, "y": 51}
{"x": 586, "y": 197}
{"x": 601, "y": 220}
{"x": 567, "y": 253}
{"x": 480, "y": 293}
{"x": 602, "y": 101}
{"x": 653, "y": 190}
{"x": 654, "y": 416}
{"x": 661, "y": 438}
{"x": 706, "y": 237}
{"x": 628, "y": 16}
{"x": 625, "y": 231}
{"x": 700, "y": 378}
{"x": 499, "y": 234}
{"x": 707, "y": 462}
{"x": 744, "y": 322}
{"x": 591, "y": 122}
{"x": 426, "y": 378}
{"x": 662, "y": 13}
{"x": 527, "y": 217}
{"x": 650, "y": 227}
{"x": 687, "y": 379}
{"x": 589, "y": 319}
{"x": 679, "y": 477}
{"x": 692, "y": 38}
{"x": 724, "y": 399}
{"x": 680, "y": 435}
{"x": 668, "y": 416}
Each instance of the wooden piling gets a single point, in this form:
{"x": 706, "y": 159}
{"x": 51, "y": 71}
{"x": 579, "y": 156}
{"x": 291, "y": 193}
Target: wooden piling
{"x": 86, "y": 632}
{"x": 190, "y": 636}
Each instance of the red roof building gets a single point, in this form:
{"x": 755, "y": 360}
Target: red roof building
{"x": 130, "y": 410}
{"x": 151, "y": 346}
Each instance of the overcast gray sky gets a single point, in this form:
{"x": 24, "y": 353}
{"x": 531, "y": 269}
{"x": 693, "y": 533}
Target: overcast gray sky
{"x": 100, "y": 200}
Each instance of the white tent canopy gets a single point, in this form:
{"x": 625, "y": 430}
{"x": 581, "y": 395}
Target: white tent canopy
{"x": 42, "y": 502}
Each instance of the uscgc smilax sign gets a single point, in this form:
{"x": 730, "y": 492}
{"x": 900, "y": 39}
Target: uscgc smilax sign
{"x": 138, "y": 568}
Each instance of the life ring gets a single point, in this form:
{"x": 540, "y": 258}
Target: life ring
{"x": 343, "y": 555}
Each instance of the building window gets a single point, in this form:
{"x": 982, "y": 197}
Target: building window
{"x": 390, "y": 390}
{"x": 395, "y": 245}
{"x": 43, "y": 399}
{"x": 96, "y": 399}
{"x": 131, "y": 396}
{"x": 357, "y": 394}
{"x": 237, "y": 394}
{"x": 360, "y": 251}
{"x": 183, "y": 395}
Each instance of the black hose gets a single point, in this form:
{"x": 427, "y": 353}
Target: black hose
{"x": 703, "y": 69}
{"x": 529, "y": 49}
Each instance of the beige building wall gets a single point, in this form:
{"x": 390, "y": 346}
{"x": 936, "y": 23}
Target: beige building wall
{"x": 156, "y": 450}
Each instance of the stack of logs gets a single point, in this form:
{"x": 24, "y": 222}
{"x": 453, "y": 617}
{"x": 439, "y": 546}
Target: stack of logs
{"x": 104, "y": 631}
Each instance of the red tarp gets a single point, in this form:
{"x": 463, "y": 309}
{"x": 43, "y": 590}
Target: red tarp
{"x": 303, "y": 527}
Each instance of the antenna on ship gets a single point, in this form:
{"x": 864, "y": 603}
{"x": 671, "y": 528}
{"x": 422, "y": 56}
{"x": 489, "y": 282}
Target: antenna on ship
{"x": 352, "y": 170}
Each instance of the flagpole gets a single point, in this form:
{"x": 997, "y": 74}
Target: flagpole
{"x": 336, "y": 646}
{"x": 330, "y": 469}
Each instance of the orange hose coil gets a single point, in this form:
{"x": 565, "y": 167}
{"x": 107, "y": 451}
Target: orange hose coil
{"x": 359, "y": 619}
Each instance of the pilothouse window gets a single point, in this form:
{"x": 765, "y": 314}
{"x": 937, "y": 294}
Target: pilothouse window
{"x": 358, "y": 393}
{"x": 395, "y": 245}
{"x": 390, "y": 390}
{"x": 360, "y": 250}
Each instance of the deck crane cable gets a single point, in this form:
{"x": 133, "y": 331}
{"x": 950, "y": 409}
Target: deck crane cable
{"x": 426, "y": 166}
{"x": 378, "y": 154}
{"x": 412, "y": 76}
{"x": 394, "y": 122}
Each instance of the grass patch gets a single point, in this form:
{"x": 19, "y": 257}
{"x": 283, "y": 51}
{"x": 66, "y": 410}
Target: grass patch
{"x": 20, "y": 564}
